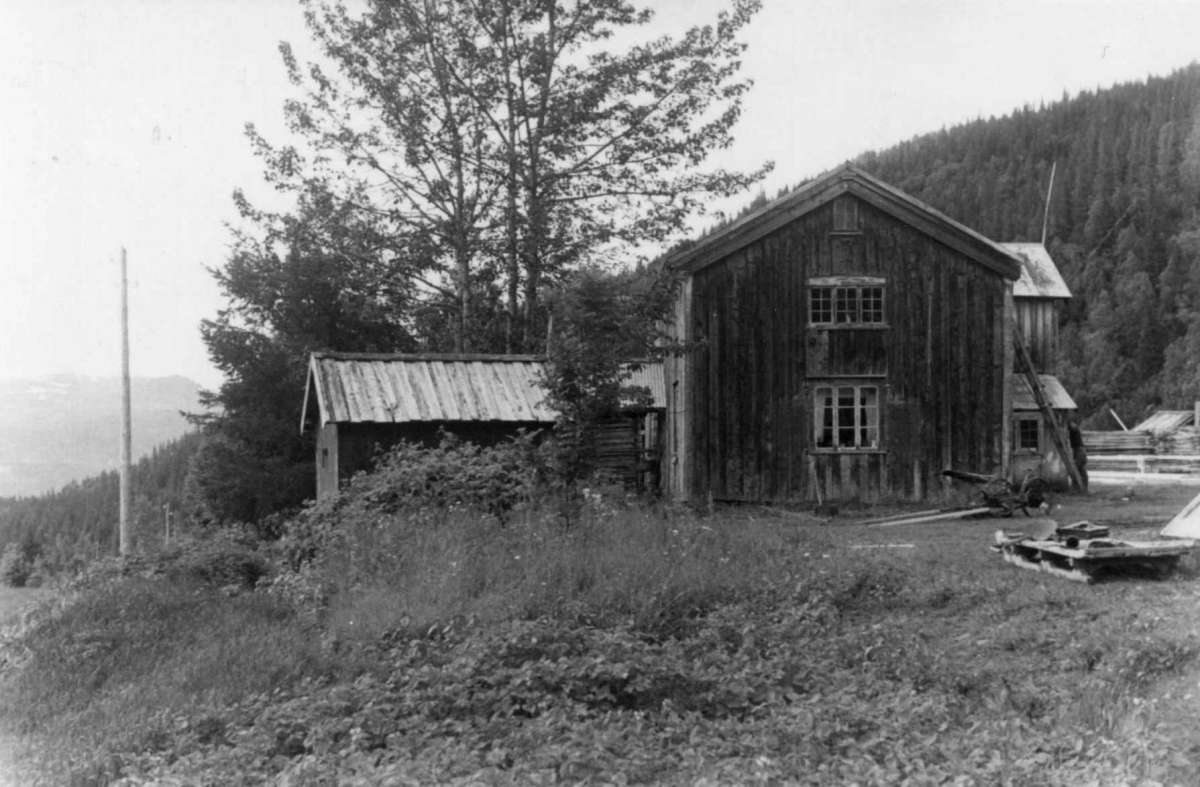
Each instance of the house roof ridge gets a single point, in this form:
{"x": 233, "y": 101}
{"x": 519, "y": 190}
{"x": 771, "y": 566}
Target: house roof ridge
{"x": 845, "y": 178}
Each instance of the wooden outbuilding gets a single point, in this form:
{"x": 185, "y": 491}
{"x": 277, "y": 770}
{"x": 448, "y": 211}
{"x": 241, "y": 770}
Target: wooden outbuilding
{"x": 360, "y": 403}
{"x": 848, "y": 342}
{"x": 1033, "y": 449}
{"x": 1038, "y": 299}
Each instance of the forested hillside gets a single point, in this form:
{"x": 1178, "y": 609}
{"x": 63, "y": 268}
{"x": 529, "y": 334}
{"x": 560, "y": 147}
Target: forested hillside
{"x": 79, "y": 521}
{"x": 1124, "y": 225}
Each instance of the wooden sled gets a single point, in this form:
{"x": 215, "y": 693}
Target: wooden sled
{"x": 1083, "y": 552}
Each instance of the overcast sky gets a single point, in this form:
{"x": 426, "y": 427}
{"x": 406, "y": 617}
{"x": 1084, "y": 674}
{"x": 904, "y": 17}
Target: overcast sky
{"x": 122, "y": 124}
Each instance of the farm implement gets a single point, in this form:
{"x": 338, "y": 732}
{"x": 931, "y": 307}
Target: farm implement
{"x": 1001, "y": 496}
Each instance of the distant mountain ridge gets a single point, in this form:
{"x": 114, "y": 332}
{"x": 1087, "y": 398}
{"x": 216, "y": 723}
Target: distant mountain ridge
{"x": 57, "y": 429}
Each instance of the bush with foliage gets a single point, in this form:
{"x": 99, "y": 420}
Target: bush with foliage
{"x": 18, "y": 562}
{"x": 419, "y": 486}
{"x": 601, "y": 323}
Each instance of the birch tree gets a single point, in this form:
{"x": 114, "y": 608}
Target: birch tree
{"x": 510, "y": 140}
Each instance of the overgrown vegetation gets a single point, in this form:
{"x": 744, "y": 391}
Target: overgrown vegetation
{"x": 421, "y": 629}
{"x": 602, "y": 325}
{"x": 439, "y": 194}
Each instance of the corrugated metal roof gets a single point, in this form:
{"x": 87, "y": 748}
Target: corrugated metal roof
{"x": 1022, "y": 397}
{"x": 1165, "y": 422}
{"x": 369, "y": 388}
{"x": 649, "y": 375}
{"x": 1039, "y": 275}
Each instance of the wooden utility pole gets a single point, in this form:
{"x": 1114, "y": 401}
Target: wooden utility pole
{"x": 126, "y": 428}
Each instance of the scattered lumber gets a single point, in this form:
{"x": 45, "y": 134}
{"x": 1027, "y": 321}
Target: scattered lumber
{"x": 928, "y": 516}
{"x": 906, "y": 515}
{"x": 1117, "y": 443}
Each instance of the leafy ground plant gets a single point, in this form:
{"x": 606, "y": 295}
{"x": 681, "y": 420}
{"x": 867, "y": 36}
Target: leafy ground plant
{"x": 641, "y": 645}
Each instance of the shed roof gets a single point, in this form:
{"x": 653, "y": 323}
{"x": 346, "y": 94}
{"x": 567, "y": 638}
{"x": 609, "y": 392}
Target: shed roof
{"x": 1164, "y": 422}
{"x": 386, "y": 388}
{"x": 846, "y": 179}
{"x": 1022, "y": 397}
{"x": 1039, "y": 275}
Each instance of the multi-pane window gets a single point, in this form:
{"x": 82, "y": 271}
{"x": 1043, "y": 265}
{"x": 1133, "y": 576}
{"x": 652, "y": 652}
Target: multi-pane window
{"x": 852, "y": 304}
{"x": 1028, "y": 434}
{"x": 820, "y": 304}
{"x": 846, "y": 417}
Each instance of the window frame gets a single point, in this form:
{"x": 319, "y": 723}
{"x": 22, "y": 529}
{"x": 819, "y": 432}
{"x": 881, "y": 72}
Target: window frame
{"x": 828, "y": 408}
{"x": 830, "y": 298}
{"x": 1018, "y": 422}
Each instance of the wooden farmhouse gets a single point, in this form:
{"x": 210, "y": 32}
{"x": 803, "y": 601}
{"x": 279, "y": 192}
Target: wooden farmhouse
{"x": 361, "y": 403}
{"x": 847, "y": 342}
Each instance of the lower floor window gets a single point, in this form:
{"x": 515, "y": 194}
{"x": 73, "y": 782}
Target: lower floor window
{"x": 846, "y": 417}
{"x": 1028, "y": 434}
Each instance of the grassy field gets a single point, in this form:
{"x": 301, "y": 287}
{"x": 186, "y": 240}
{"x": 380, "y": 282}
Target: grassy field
{"x": 643, "y": 647}
{"x": 15, "y": 601}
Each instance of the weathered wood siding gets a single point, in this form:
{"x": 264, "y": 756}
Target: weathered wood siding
{"x": 1037, "y": 320}
{"x": 677, "y": 374}
{"x": 745, "y": 430}
{"x": 327, "y": 460}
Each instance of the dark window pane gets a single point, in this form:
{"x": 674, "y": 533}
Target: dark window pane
{"x": 872, "y": 304}
{"x": 847, "y": 305}
{"x": 820, "y": 305}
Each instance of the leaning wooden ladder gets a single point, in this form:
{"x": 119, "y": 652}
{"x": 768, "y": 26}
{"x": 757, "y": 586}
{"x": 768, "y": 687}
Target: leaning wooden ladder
{"x": 1057, "y": 433}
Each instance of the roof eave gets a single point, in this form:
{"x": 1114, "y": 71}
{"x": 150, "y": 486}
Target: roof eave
{"x": 847, "y": 179}
{"x": 313, "y": 386}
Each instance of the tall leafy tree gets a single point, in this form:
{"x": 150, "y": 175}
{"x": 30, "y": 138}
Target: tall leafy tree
{"x": 508, "y": 140}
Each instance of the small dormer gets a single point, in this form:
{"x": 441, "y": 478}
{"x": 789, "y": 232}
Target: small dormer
{"x": 1038, "y": 297}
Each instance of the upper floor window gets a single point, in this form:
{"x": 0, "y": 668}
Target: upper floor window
{"x": 843, "y": 301}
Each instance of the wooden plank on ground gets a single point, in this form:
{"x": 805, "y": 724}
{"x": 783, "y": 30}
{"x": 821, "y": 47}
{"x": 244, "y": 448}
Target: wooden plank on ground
{"x": 939, "y": 517}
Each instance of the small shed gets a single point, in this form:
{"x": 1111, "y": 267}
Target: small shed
{"x": 1033, "y": 448}
{"x": 360, "y": 403}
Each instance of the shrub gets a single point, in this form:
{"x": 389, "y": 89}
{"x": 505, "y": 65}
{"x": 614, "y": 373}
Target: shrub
{"x": 226, "y": 557}
{"x": 453, "y": 475}
{"x": 220, "y": 558}
{"x": 413, "y": 485}
{"x": 15, "y": 568}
